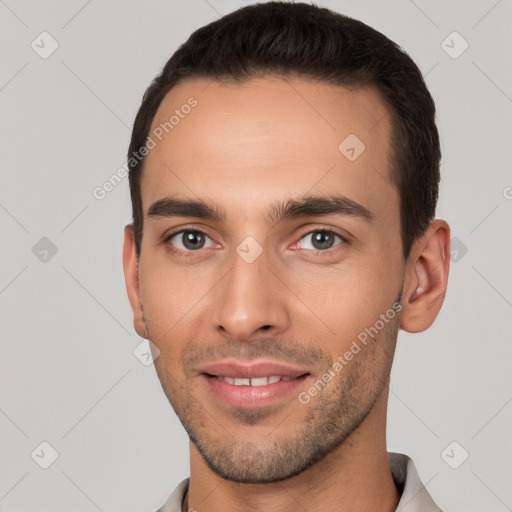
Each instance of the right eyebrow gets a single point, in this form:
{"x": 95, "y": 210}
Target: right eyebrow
{"x": 174, "y": 207}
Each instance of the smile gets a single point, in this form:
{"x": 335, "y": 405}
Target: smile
{"x": 253, "y": 393}
{"x": 255, "y": 381}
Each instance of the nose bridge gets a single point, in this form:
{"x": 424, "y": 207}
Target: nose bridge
{"x": 248, "y": 299}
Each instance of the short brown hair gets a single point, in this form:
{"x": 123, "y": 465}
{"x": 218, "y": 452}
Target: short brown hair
{"x": 280, "y": 38}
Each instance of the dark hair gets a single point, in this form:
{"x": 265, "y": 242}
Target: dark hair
{"x": 283, "y": 39}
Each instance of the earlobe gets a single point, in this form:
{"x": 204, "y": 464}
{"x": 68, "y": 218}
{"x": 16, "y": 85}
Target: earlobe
{"x": 131, "y": 276}
{"x": 426, "y": 277}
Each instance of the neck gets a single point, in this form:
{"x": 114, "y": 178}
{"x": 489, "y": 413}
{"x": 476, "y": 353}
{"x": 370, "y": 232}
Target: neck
{"x": 354, "y": 476}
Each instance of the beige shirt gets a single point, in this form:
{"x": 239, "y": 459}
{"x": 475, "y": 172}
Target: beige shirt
{"x": 414, "y": 496}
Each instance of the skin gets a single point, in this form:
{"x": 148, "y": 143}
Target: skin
{"x": 245, "y": 147}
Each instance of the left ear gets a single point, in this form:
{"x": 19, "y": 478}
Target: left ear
{"x": 426, "y": 278}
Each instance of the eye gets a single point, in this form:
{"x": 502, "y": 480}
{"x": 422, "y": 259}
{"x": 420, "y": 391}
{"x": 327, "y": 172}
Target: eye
{"x": 320, "y": 240}
{"x": 190, "y": 240}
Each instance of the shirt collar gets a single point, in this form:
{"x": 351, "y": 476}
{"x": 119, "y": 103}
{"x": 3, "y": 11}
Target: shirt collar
{"x": 414, "y": 495}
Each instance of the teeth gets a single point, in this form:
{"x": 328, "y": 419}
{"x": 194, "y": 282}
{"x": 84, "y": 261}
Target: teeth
{"x": 259, "y": 381}
{"x": 255, "y": 381}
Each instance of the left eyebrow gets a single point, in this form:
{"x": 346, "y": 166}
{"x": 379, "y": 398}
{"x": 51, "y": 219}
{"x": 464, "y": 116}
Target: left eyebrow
{"x": 308, "y": 206}
{"x": 319, "y": 205}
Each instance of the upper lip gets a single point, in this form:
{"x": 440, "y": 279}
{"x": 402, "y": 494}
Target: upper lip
{"x": 236, "y": 369}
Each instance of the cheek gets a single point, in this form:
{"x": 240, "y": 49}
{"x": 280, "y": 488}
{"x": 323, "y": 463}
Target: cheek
{"x": 344, "y": 301}
{"x": 169, "y": 294}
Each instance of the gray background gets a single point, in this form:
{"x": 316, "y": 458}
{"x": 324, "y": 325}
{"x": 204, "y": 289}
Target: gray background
{"x": 69, "y": 376}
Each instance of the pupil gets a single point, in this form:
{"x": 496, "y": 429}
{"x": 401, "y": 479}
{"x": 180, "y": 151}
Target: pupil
{"x": 323, "y": 240}
{"x": 193, "y": 240}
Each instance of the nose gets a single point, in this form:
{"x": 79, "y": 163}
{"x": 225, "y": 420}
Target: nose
{"x": 251, "y": 301}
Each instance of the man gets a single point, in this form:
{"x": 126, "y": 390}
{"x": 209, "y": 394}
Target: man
{"x": 284, "y": 172}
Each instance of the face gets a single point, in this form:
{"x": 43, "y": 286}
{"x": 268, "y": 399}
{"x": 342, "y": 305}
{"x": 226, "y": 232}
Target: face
{"x": 268, "y": 252}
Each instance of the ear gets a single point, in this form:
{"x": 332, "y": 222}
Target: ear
{"x": 426, "y": 278}
{"x": 131, "y": 277}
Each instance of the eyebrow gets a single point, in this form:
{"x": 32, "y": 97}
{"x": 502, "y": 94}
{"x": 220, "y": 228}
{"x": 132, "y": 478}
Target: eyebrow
{"x": 282, "y": 210}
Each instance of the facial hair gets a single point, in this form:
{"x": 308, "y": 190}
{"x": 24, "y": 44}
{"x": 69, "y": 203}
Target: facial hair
{"x": 325, "y": 422}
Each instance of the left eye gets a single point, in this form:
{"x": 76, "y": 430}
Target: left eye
{"x": 190, "y": 240}
{"x": 321, "y": 240}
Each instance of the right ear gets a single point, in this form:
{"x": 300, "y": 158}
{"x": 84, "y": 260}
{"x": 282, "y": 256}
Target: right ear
{"x": 131, "y": 277}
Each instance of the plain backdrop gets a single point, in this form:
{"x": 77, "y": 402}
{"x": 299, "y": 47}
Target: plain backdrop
{"x": 70, "y": 377}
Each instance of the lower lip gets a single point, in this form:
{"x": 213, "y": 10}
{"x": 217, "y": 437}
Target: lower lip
{"x": 251, "y": 397}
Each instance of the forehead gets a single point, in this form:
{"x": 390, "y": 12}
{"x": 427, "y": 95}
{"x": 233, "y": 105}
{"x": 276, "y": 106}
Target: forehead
{"x": 269, "y": 134}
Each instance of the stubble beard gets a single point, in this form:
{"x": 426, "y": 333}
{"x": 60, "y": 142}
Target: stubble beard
{"x": 302, "y": 439}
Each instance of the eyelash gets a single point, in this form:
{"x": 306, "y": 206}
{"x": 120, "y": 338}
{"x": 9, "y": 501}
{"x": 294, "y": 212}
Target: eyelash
{"x": 316, "y": 252}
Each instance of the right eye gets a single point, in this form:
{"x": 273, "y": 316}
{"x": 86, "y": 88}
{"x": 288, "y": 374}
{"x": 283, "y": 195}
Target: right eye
{"x": 189, "y": 240}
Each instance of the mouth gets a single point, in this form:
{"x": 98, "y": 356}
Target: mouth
{"x": 254, "y": 381}
{"x": 251, "y": 386}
